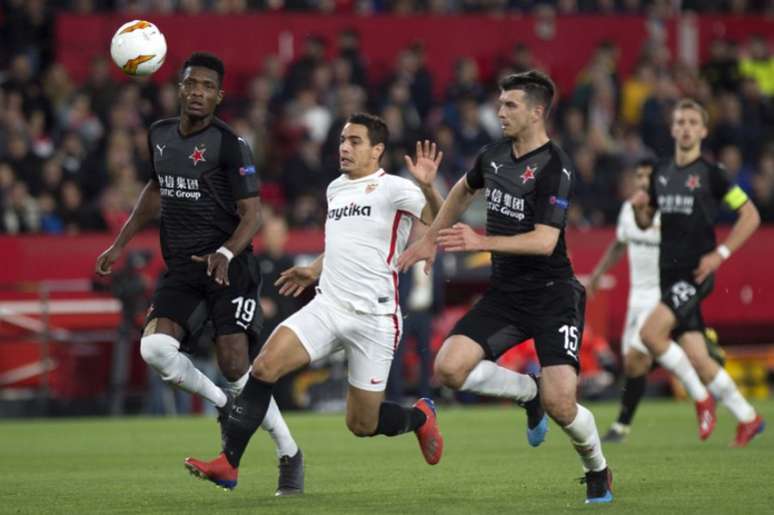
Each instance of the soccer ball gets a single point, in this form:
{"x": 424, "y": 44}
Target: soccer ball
{"x": 138, "y": 48}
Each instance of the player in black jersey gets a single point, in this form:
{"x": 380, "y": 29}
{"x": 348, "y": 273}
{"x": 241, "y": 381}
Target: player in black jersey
{"x": 527, "y": 180}
{"x": 205, "y": 186}
{"x": 688, "y": 192}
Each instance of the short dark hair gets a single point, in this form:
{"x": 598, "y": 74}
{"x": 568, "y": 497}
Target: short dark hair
{"x": 377, "y": 127}
{"x": 646, "y": 160}
{"x": 205, "y": 60}
{"x": 537, "y": 87}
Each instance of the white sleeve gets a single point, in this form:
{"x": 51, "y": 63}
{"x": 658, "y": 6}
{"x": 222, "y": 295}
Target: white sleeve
{"x": 623, "y": 220}
{"x": 406, "y": 196}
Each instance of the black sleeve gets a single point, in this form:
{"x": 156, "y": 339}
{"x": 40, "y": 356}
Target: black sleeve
{"x": 552, "y": 193}
{"x": 719, "y": 182}
{"x": 475, "y": 176}
{"x": 237, "y": 159}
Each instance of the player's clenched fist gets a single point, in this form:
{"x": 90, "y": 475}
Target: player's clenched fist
{"x": 106, "y": 259}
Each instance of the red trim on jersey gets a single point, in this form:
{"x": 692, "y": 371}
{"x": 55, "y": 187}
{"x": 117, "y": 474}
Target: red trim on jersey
{"x": 394, "y": 236}
{"x": 397, "y": 332}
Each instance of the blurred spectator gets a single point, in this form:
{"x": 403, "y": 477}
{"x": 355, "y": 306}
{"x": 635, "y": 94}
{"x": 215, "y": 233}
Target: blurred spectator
{"x": 20, "y": 213}
{"x": 636, "y": 89}
{"x": 722, "y": 68}
{"x": 299, "y": 74}
{"x": 657, "y": 117}
{"x": 759, "y": 64}
{"x": 76, "y": 215}
{"x": 351, "y": 53}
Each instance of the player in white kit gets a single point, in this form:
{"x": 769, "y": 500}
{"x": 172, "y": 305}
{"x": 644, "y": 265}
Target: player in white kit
{"x": 370, "y": 216}
{"x": 644, "y": 293}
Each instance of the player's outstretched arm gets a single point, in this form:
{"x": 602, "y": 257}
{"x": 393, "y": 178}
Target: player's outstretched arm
{"x": 540, "y": 241}
{"x": 249, "y": 210}
{"x": 146, "y": 209}
{"x": 294, "y": 280}
{"x": 452, "y": 208}
{"x": 749, "y": 220}
{"x": 424, "y": 171}
{"x": 612, "y": 255}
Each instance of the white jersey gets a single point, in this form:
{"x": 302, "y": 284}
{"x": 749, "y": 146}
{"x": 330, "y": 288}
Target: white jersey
{"x": 368, "y": 226}
{"x": 642, "y": 249}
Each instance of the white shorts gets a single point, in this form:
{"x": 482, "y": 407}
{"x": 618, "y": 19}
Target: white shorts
{"x": 635, "y": 319}
{"x": 369, "y": 340}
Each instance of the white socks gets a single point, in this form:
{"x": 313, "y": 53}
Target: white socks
{"x": 273, "y": 423}
{"x": 724, "y": 389}
{"x": 162, "y": 352}
{"x": 489, "y": 378}
{"x": 675, "y": 360}
{"x": 585, "y": 438}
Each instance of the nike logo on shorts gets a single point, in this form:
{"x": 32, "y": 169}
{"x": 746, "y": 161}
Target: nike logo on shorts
{"x": 377, "y": 381}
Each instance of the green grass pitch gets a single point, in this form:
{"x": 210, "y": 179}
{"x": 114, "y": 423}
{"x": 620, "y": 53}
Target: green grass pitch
{"x": 135, "y": 465}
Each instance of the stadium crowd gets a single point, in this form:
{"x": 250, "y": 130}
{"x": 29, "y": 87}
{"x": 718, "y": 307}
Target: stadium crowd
{"x": 74, "y": 157}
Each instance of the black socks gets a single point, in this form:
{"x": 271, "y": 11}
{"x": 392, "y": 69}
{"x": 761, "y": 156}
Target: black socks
{"x": 394, "y": 419}
{"x": 245, "y": 417}
{"x": 634, "y": 389}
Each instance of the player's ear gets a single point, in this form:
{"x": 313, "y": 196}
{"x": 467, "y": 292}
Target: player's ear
{"x": 220, "y": 97}
{"x": 377, "y": 151}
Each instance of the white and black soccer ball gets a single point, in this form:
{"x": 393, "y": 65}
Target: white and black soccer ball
{"x": 138, "y": 47}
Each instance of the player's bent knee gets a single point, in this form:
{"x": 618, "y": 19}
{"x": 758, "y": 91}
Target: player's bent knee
{"x": 232, "y": 370}
{"x": 561, "y": 408}
{"x": 450, "y": 373}
{"x": 636, "y": 364}
{"x": 159, "y": 351}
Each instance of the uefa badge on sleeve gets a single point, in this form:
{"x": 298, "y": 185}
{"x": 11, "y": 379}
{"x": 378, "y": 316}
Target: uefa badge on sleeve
{"x": 247, "y": 170}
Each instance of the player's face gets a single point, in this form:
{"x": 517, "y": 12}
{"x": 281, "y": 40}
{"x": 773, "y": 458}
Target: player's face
{"x": 200, "y": 92}
{"x": 516, "y": 114}
{"x": 356, "y": 154}
{"x": 688, "y": 128}
{"x": 642, "y": 177}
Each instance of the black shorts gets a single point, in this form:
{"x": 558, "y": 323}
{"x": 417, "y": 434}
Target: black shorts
{"x": 552, "y": 315}
{"x": 189, "y": 297}
{"x": 683, "y": 296}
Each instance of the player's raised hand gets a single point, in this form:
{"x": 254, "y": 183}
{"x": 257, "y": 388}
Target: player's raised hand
{"x": 217, "y": 265}
{"x": 421, "y": 250}
{"x": 460, "y": 237}
{"x": 425, "y": 168}
{"x": 708, "y": 264}
{"x": 106, "y": 259}
{"x": 294, "y": 280}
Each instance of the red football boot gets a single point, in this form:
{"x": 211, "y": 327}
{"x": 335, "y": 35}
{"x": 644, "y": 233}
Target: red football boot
{"x": 219, "y": 471}
{"x": 429, "y": 435}
{"x": 746, "y": 431}
{"x": 705, "y": 412}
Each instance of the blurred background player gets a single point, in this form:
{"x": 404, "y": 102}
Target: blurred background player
{"x": 370, "y": 215}
{"x": 688, "y": 191}
{"x": 206, "y": 187}
{"x": 641, "y": 247}
{"x": 533, "y": 290}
